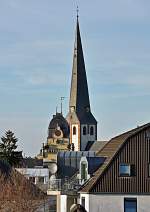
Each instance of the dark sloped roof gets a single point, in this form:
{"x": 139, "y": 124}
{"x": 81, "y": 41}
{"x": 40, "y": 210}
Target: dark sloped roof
{"x": 58, "y": 121}
{"x": 109, "y": 151}
{"x": 31, "y": 162}
{"x": 79, "y": 94}
{"x": 87, "y": 117}
{"x": 88, "y": 146}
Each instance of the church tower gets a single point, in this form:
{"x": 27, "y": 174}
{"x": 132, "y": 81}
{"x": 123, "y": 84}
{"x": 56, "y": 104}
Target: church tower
{"x": 83, "y": 125}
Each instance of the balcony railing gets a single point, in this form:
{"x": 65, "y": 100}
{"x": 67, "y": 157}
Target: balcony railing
{"x": 64, "y": 185}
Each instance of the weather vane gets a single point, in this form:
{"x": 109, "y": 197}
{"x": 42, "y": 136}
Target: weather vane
{"x": 77, "y": 12}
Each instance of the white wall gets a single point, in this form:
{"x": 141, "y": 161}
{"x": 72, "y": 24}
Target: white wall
{"x": 63, "y": 203}
{"x": 113, "y": 203}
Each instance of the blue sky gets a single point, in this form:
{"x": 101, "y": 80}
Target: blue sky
{"x": 36, "y": 45}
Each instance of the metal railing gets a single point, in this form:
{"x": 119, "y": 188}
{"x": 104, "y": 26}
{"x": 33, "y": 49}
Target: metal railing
{"x": 64, "y": 185}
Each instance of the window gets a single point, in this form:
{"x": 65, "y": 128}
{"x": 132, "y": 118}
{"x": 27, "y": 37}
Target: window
{"x": 83, "y": 201}
{"x": 127, "y": 170}
{"x": 130, "y": 205}
{"x": 92, "y": 130}
{"x": 148, "y": 134}
{"x": 149, "y": 169}
{"x": 32, "y": 179}
{"x": 41, "y": 179}
{"x": 84, "y": 130}
{"x": 74, "y": 130}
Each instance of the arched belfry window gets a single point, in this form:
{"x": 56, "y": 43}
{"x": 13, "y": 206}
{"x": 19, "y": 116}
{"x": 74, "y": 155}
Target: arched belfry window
{"x": 84, "y": 130}
{"x": 92, "y": 130}
{"x": 74, "y": 130}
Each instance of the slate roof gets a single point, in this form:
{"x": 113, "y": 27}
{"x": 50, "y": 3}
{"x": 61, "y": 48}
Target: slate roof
{"x": 109, "y": 151}
{"x": 58, "y": 121}
{"x": 79, "y": 94}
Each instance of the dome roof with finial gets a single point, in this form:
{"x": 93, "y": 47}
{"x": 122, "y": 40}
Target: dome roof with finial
{"x": 58, "y": 123}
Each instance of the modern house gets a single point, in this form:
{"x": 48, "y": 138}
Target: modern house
{"x": 122, "y": 182}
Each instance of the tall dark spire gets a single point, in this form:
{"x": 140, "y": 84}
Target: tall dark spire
{"x": 79, "y": 95}
{"x": 83, "y": 125}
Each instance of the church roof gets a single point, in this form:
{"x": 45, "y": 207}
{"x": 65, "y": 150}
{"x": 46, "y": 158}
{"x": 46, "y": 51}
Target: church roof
{"x": 79, "y": 94}
{"x": 58, "y": 121}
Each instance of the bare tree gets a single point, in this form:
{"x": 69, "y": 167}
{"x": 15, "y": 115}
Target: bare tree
{"x": 17, "y": 194}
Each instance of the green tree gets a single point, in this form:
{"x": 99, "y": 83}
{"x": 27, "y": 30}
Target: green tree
{"x": 8, "y": 146}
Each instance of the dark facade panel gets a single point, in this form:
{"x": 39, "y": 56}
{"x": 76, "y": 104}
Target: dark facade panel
{"x": 136, "y": 152}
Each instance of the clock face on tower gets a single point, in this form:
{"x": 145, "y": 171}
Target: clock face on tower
{"x": 58, "y": 133}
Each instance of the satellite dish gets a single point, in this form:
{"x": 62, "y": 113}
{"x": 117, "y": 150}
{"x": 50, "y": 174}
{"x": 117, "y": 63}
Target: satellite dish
{"x": 52, "y": 168}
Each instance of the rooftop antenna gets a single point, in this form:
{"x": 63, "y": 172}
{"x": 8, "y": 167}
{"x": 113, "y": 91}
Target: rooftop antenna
{"x": 61, "y": 99}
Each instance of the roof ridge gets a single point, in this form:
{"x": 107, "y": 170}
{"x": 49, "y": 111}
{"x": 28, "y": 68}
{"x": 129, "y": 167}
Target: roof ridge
{"x": 122, "y": 134}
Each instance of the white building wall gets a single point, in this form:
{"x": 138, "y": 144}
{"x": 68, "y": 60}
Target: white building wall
{"x": 87, "y": 137}
{"x": 87, "y": 201}
{"x": 63, "y": 203}
{"x": 35, "y": 172}
{"x": 75, "y": 138}
{"x": 113, "y": 203}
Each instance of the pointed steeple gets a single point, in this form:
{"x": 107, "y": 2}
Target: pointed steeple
{"x": 82, "y": 123}
{"x": 79, "y": 95}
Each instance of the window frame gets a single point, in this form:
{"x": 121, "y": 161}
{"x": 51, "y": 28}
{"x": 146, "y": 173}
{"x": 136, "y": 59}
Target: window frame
{"x": 83, "y": 201}
{"x": 32, "y": 179}
{"x": 74, "y": 130}
{"x": 41, "y": 179}
{"x": 125, "y": 174}
{"x": 130, "y": 200}
{"x": 92, "y": 130}
{"x": 84, "y": 130}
